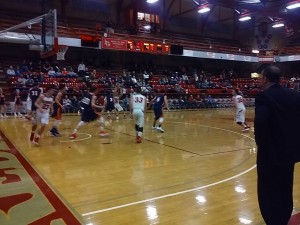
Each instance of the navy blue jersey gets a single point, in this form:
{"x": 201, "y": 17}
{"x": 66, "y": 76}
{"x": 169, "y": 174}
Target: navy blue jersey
{"x": 158, "y": 101}
{"x": 86, "y": 102}
{"x": 110, "y": 99}
{"x": 110, "y": 105}
{"x": 34, "y": 93}
{"x": 88, "y": 113}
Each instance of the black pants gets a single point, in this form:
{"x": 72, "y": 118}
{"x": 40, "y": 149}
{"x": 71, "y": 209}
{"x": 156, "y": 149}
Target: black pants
{"x": 275, "y": 192}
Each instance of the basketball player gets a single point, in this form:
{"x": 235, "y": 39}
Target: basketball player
{"x": 89, "y": 114}
{"x": 117, "y": 106}
{"x": 33, "y": 95}
{"x": 159, "y": 102}
{"x": 18, "y": 104}
{"x": 110, "y": 104}
{"x": 44, "y": 105}
{"x": 240, "y": 110}
{"x": 57, "y": 110}
{"x": 138, "y": 106}
{"x": 2, "y": 105}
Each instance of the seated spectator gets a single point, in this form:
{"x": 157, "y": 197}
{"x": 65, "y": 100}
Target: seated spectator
{"x": 24, "y": 67}
{"x": 10, "y": 71}
{"x": 51, "y": 72}
{"x": 64, "y": 72}
{"x": 22, "y": 80}
{"x": 67, "y": 103}
{"x": 17, "y": 71}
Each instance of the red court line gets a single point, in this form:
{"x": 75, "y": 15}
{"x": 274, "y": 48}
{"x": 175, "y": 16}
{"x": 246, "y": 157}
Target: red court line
{"x": 62, "y": 212}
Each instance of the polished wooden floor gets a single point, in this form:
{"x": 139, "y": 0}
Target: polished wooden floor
{"x": 201, "y": 171}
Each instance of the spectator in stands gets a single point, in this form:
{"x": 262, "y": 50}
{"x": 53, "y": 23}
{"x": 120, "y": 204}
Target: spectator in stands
{"x": 24, "y": 67}
{"x": 17, "y": 71}
{"x": 10, "y": 71}
{"x": 51, "y": 72}
{"x": 46, "y": 67}
{"x": 146, "y": 77}
{"x": 64, "y": 72}
{"x": 81, "y": 69}
{"x": 109, "y": 29}
{"x": 185, "y": 78}
{"x": 22, "y": 80}
{"x": 75, "y": 104}
{"x": 67, "y": 104}
{"x": 93, "y": 75}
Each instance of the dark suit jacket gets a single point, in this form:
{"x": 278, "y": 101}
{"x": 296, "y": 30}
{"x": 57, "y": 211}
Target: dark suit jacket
{"x": 277, "y": 125}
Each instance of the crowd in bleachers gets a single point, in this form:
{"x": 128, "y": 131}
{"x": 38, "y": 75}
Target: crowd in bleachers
{"x": 185, "y": 90}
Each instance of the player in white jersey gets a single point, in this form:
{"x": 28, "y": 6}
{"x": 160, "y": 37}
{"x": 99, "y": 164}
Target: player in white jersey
{"x": 44, "y": 105}
{"x": 240, "y": 110}
{"x": 138, "y": 106}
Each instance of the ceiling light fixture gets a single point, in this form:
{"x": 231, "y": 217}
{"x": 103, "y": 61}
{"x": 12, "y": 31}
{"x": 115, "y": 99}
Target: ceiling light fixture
{"x": 203, "y": 8}
{"x": 255, "y": 51}
{"x": 151, "y": 1}
{"x": 245, "y": 18}
{"x": 278, "y": 24}
{"x": 293, "y": 5}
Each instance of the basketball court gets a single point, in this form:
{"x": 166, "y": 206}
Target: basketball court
{"x": 200, "y": 171}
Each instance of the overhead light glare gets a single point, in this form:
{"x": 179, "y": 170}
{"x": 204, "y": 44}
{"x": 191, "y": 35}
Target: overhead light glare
{"x": 203, "y": 9}
{"x": 293, "y": 5}
{"x": 147, "y": 27}
{"x": 151, "y": 1}
{"x": 255, "y": 51}
{"x": 276, "y": 25}
{"x": 245, "y": 18}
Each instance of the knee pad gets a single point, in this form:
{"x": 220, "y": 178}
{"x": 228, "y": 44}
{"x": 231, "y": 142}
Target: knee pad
{"x": 161, "y": 120}
{"x": 239, "y": 123}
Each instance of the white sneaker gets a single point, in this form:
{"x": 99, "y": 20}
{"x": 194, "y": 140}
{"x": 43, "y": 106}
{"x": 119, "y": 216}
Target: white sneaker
{"x": 246, "y": 129}
{"x": 160, "y": 129}
{"x": 154, "y": 128}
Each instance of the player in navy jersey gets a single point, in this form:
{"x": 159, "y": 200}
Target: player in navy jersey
{"x": 158, "y": 103}
{"x": 57, "y": 110}
{"x": 33, "y": 95}
{"x": 110, "y": 104}
{"x": 89, "y": 114}
{"x": 2, "y": 105}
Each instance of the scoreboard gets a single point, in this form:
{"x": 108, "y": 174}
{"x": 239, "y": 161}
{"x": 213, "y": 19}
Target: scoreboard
{"x": 135, "y": 46}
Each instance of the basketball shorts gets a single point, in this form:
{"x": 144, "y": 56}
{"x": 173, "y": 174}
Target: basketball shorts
{"x": 138, "y": 116}
{"x": 158, "y": 113}
{"x": 240, "y": 115}
{"x": 41, "y": 117}
{"x": 57, "y": 112}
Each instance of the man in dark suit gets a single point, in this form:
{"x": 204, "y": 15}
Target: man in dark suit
{"x": 276, "y": 135}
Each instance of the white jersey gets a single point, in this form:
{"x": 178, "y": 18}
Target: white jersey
{"x": 239, "y": 102}
{"x": 47, "y": 102}
{"x": 138, "y": 101}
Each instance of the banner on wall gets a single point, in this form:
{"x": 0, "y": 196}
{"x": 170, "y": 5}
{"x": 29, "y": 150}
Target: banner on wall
{"x": 114, "y": 44}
